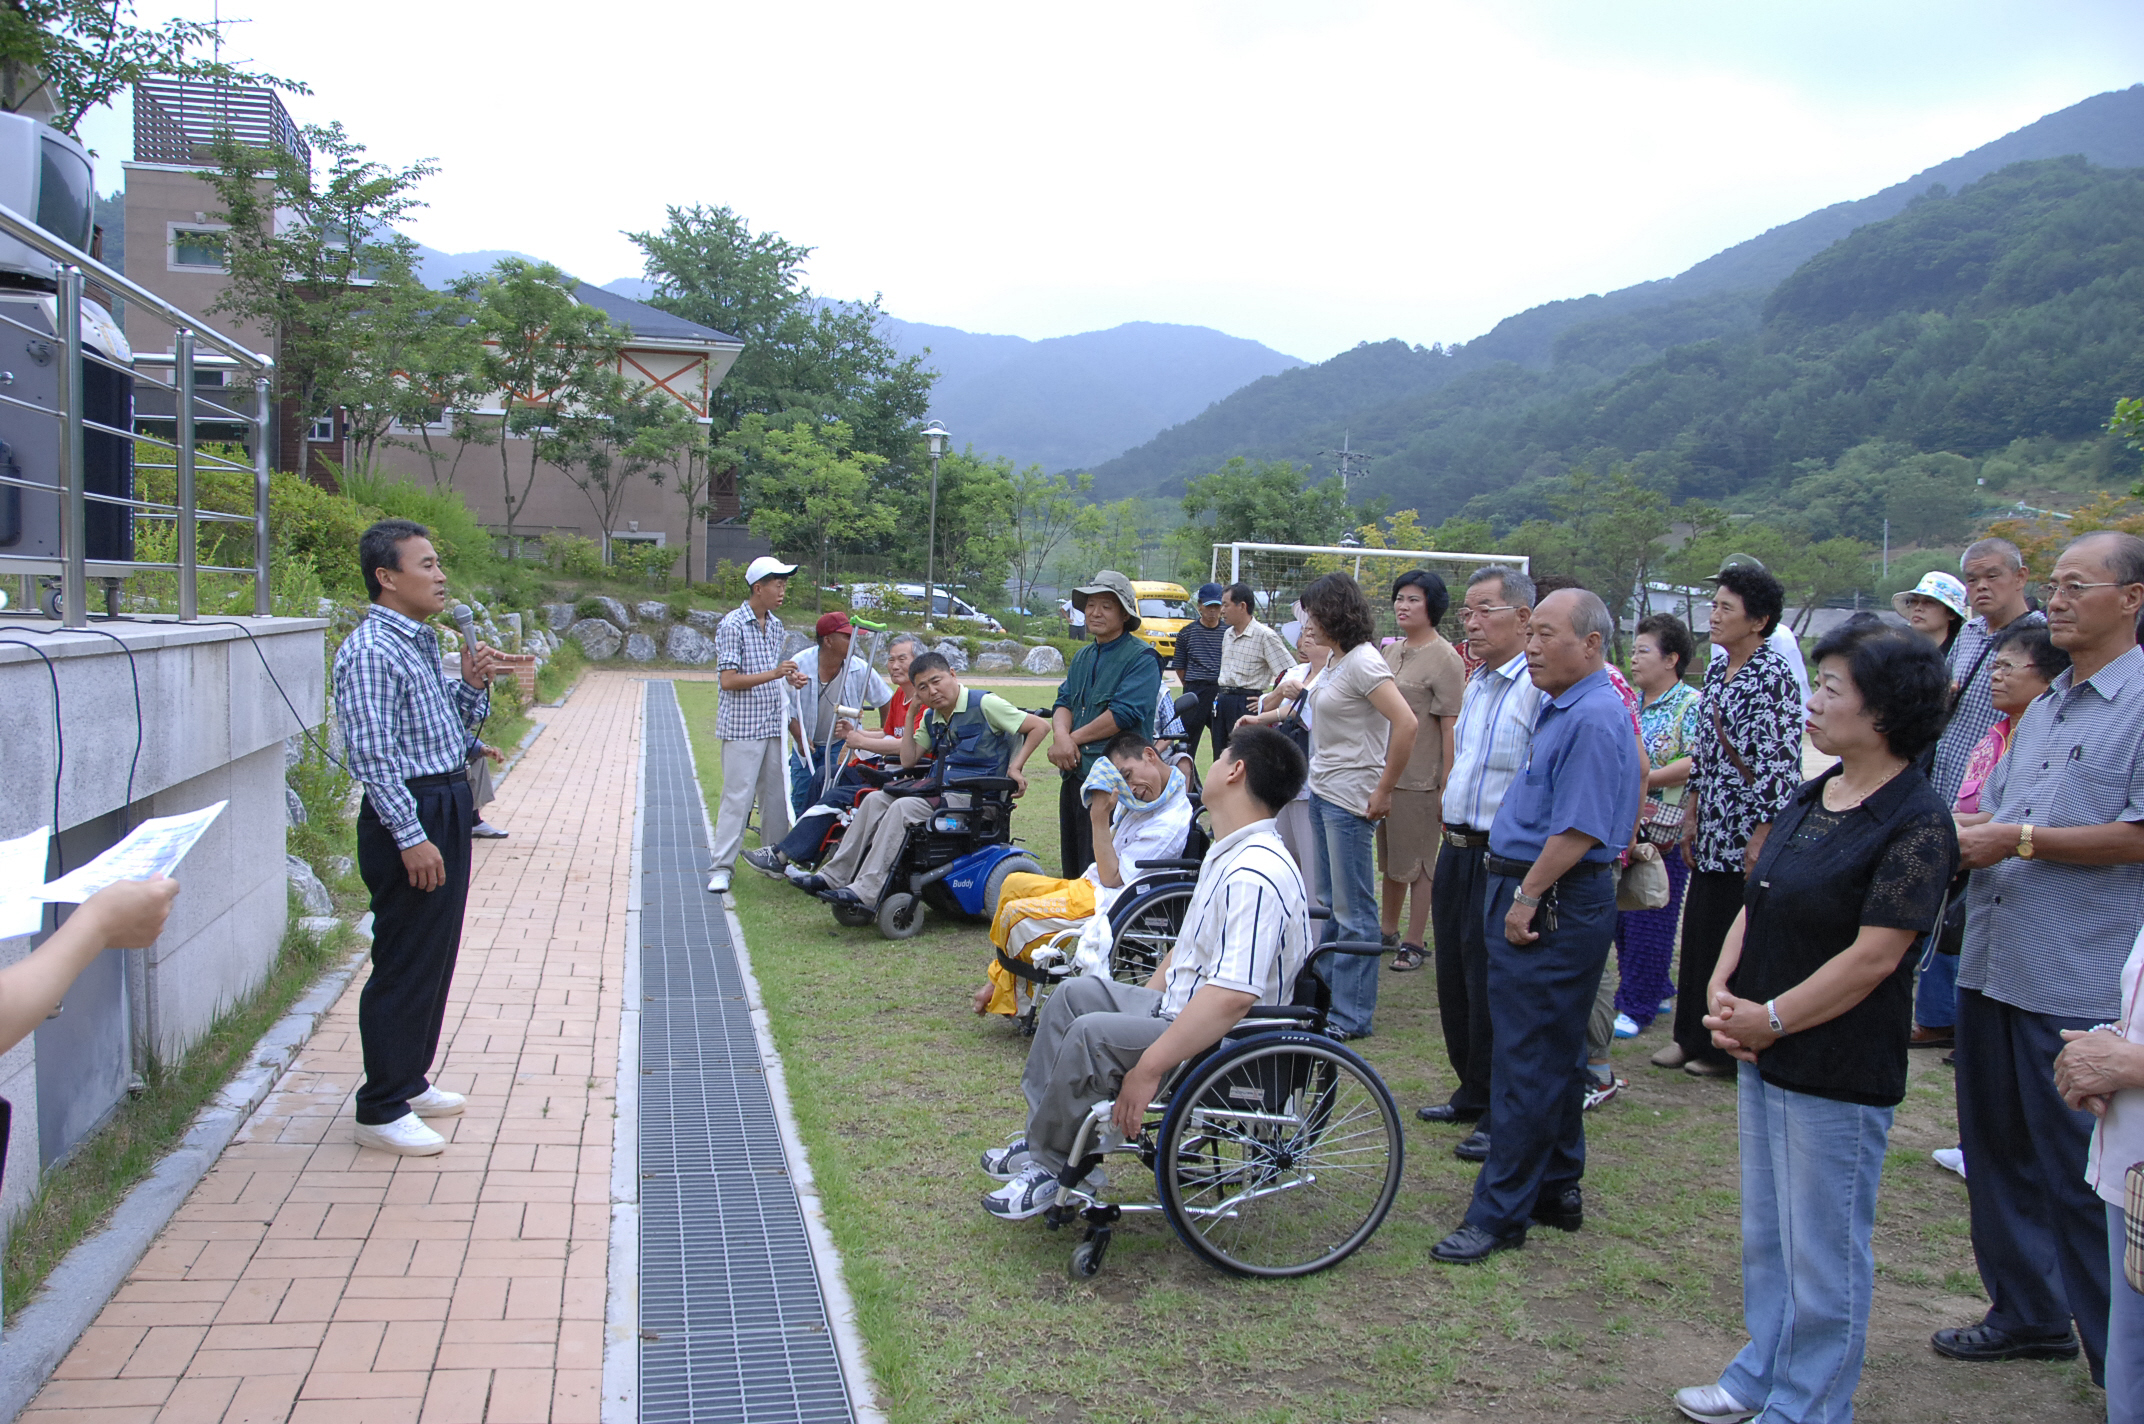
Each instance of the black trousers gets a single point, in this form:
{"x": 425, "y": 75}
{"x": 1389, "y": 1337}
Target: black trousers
{"x": 1200, "y": 718}
{"x": 416, "y": 935}
{"x": 1709, "y": 908}
{"x": 1540, "y": 995}
{"x": 1456, "y": 906}
{"x": 1075, "y": 830}
{"x": 1229, "y": 708}
{"x": 2039, "y": 1230}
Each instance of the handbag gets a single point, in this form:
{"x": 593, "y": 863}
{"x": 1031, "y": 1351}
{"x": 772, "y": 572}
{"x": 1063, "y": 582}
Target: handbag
{"x": 2133, "y": 1223}
{"x": 1643, "y": 884}
{"x": 1662, "y": 823}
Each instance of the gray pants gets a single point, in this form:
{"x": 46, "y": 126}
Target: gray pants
{"x": 872, "y": 843}
{"x": 1087, "y": 1037}
{"x": 751, "y": 769}
{"x": 1600, "y": 1024}
{"x": 481, "y": 793}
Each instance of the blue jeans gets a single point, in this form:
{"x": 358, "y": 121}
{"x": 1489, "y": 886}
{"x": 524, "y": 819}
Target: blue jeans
{"x": 804, "y": 786}
{"x": 1539, "y": 997}
{"x": 1935, "y": 995}
{"x": 1810, "y": 1168}
{"x": 2125, "y": 1332}
{"x": 1347, "y": 882}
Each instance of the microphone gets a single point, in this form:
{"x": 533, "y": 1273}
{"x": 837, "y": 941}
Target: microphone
{"x": 464, "y": 624}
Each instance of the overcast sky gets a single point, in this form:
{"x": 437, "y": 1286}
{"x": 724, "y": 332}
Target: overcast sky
{"x": 1308, "y": 175}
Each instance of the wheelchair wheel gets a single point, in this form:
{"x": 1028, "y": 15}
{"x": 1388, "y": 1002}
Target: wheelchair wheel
{"x": 1147, "y": 932}
{"x": 1005, "y": 869}
{"x": 1279, "y": 1155}
{"x": 854, "y": 916}
{"x": 900, "y": 916}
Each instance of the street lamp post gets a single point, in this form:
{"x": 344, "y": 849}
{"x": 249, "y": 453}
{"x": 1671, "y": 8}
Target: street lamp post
{"x": 937, "y": 435}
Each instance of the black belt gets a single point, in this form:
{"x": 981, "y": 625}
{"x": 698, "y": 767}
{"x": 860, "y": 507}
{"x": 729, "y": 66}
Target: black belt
{"x": 1517, "y": 869}
{"x": 444, "y": 778}
{"x": 1465, "y": 838}
{"x": 1244, "y": 691}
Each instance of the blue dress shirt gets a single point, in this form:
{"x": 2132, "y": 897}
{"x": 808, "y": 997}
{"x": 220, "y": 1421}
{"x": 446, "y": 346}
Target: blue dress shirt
{"x": 1581, "y": 774}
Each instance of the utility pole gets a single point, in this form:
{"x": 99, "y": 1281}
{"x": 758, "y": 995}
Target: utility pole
{"x": 1347, "y": 459}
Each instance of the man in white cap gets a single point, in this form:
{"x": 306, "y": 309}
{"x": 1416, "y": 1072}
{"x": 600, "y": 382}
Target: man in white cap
{"x": 748, "y": 719}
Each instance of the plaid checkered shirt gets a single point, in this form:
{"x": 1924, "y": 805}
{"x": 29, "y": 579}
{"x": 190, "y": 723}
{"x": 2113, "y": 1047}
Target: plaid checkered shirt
{"x": 745, "y": 643}
{"x": 402, "y": 717}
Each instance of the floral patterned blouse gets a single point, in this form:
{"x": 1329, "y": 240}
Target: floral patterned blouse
{"x": 1760, "y": 711}
{"x": 1669, "y": 725}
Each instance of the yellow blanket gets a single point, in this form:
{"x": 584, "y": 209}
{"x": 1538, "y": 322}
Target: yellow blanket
{"x": 1032, "y": 908}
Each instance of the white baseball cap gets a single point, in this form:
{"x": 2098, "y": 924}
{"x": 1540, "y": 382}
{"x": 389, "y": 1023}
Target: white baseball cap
{"x": 767, "y": 566}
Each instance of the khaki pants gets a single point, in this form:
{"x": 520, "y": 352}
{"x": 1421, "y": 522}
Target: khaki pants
{"x": 872, "y": 843}
{"x": 1087, "y": 1037}
{"x": 749, "y": 769}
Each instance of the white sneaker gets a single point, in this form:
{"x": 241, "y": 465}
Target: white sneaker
{"x": 1950, "y": 1157}
{"x": 437, "y": 1102}
{"x": 1709, "y": 1404}
{"x": 1005, "y": 1163}
{"x": 406, "y": 1136}
{"x": 718, "y": 883}
{"x": 1599, "y": 1091}
{"x": 1035, "y": 1189}
{"x": 1626, "y": 1026}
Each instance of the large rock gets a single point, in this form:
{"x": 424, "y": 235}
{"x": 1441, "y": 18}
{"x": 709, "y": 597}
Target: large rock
{"x": 598, "y": 639}
{"x": 293, "y": 808}
{"x": 796, "y": 645}
{"x": 639, "y": 647}
{"x": 954, "y": 654}
{"x": 687, "y": 644}
{"x": 1044, "y": 661}
{"x": 653, "y": 611}
{"x": 614, "y": 612}
{"x": 1011, "y": 647}
{"x": 511, "y": 624}
{"x": 994, "y": 662}
{"x": 704, "y": 619}
{"x": 311, "y": 893}
{"x": 560, "y": 616}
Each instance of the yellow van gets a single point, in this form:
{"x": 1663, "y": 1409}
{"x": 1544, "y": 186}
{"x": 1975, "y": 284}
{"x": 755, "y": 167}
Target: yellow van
{"x": 1163, "y": 608}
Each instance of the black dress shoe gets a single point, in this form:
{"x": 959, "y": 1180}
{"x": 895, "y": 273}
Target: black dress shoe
{"x": 1565, "y": 1210}
{"x": 1475, "y": 1148}
{"x": 1445, "y": 1112}
{"x": 1987, "y": 1342}
{"x": 1470, "y": 1244}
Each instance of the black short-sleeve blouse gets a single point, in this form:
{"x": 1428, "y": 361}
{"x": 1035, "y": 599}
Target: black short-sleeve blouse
{"x": 1824, "y": 875}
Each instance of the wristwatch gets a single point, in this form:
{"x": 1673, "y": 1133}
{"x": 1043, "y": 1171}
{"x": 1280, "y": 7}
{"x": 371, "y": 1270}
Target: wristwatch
{"x": 1531, "y": 902}
{"x": 1771, "y": 1011}
{"x": 2024, "y": 841}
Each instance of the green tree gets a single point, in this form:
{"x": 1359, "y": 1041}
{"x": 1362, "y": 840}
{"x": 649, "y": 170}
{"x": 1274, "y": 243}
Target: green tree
{"x": 69, "y": 56}
{"x": 543, "y": 355}
{"x": 1045, "y": 509}
{"x": 316, "y": 262}
{"x": 1608, "y": 531}
{"x": 689, "y": 470}
{"x": 807, "y": 487}
{"x": 976, "y": 540}
{"x": 615, "y": 434}
{"x": 1271, "y": 502}
{"x": 439, "y": 382}
{"x": 1107, "y": 536}
{"x": 804, "y": 357}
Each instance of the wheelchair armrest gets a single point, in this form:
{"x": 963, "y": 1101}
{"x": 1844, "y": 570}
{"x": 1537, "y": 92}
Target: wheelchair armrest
{"x": 1351, "y": 946}
{"x": 983, "y": 785}
{"x": 1289, "y": 1013}
{"x": 1319, "y": 912}
{"x": 1177, "y": 863}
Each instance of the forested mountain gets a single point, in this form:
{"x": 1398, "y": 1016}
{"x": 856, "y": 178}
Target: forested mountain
{"x": 1442, "y": 422}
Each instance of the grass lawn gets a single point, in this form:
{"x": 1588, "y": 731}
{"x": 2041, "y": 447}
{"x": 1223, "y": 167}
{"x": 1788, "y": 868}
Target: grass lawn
{"x": 898, "y": 1087}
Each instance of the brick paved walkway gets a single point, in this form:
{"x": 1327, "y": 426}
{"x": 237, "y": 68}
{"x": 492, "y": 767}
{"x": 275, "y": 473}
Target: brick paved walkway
{"x": 306, "y": 1279}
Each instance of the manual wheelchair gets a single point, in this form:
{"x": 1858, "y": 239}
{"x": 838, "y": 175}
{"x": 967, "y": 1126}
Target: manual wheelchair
{"x": 957, "y": 861}
{"x": 1276, "y": 1153}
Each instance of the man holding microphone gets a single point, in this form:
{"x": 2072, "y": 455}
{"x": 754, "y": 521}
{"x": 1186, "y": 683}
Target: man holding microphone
{"x": 407, "y": 726}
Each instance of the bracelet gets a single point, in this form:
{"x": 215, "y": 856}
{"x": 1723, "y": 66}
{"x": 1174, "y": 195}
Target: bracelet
{"x": 1771, "y": 1011}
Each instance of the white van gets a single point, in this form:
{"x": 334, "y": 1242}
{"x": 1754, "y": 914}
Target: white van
{"x": 949, "y": 608}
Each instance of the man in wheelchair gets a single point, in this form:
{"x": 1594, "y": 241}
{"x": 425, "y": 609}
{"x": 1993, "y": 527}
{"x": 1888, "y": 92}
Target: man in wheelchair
{"x": 1245, "y": 936}
{"x": 1141, "y": 809}
{"x": 973, "y": 734}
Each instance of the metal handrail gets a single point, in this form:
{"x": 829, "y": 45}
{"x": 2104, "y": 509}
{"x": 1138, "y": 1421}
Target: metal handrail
{"x": 74, "y": 566}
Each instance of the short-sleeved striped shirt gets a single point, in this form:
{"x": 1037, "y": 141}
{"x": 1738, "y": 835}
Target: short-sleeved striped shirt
{"x": 1972, "y": 671}
{"x": 746, "y": 643}
{"x": 2046, "y": 937}
{"x": 1496, "y": 725}
{"x": 1248, "y": 925}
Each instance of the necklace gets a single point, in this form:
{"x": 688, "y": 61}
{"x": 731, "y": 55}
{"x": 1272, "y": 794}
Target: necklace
{"x": 1850, "y": 800}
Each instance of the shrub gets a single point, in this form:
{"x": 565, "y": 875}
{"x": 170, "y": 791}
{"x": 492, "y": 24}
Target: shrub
{"x": 590, "y": 607}
{"x": 560, "y": 671}
{"x": 727, "y": 586}
{"x": 465, "y": 546}
{"x": 573, "y": 556}
{"x": 644, "y": 563}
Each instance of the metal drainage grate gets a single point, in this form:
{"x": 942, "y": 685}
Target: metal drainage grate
{"x": 733, "y": 1326}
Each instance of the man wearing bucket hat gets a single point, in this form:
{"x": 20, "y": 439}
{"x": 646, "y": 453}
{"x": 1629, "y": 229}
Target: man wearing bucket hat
{"x": 1935, "y": 608}
{"x": 1111, "y": 686}
{"x": 748, "y": 719}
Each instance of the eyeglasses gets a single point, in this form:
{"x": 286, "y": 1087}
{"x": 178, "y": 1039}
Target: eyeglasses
{"x": 2072, "y": 589}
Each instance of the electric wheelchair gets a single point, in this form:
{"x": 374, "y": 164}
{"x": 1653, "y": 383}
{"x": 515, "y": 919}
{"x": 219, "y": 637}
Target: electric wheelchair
{"x": 956, "y": 862}
{"x": 1275, "y": 1153}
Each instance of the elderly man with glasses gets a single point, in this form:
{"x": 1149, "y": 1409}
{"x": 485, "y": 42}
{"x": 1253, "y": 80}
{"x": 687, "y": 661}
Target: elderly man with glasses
{"x": 2057, "y": 893}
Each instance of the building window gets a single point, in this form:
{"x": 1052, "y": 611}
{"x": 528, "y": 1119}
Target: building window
{"x": 197, "y": 249}
{"x": 322, "y": 431}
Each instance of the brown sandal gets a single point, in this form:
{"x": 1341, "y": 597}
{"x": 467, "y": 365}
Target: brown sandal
{"x": 1408, "y": 959}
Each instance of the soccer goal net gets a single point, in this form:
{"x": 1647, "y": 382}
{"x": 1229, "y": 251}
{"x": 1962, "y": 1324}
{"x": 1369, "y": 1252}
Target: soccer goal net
{"x": 1277, "y": 573}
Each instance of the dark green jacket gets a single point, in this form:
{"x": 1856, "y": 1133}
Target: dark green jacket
{"x": 1121, "y": 676}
